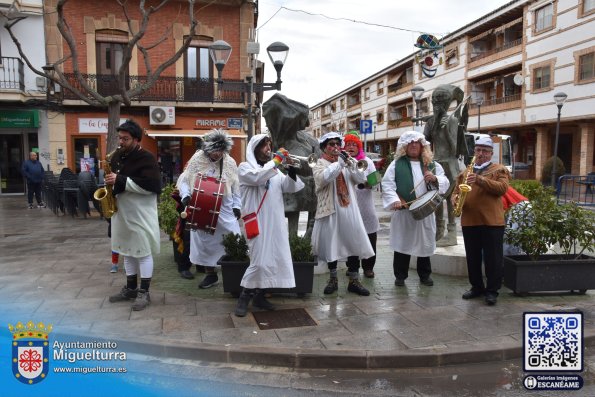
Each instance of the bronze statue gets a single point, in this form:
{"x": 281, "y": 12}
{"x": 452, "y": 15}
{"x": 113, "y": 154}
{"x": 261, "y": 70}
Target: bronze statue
{"x": 286, "y": 120}
{"x": 447, "y": 135}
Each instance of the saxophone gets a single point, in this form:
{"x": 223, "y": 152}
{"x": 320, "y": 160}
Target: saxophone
{"x": 464, "y": 188}
{"x": 105, "y": 194}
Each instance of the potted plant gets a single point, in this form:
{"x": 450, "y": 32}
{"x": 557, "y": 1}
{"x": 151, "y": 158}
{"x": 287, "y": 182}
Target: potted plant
{"x": 167, "y": 211}
{"x": 554, "y": 240}
{"x": 236, "y": 261}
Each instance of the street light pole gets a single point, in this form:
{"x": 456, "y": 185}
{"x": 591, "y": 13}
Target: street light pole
{"x": 416, "y": 93}
{"x": 375, "y": 138}
{"x": 220, "y": 52}
{"x": 479, "y": 102}
{"x": 560, "y": 97}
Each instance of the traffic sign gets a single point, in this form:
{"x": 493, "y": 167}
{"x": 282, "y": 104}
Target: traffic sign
{"x": 365, "y": 126}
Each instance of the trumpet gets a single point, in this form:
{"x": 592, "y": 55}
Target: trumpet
{"x": 360, "y": 165}
{"x": 297, "y": 161}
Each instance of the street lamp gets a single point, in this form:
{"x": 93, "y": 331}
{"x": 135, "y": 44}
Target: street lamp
{"x": 560, "y": 97}
{"x": 479, "y": 102}
{"x": 220, "y": 52}
{"x": 416, "y": 93}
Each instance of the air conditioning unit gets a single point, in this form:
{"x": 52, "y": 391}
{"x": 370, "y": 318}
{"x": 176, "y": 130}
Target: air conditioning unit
{"x": 162, "y": 115}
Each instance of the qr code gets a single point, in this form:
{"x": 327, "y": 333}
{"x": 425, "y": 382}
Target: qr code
{"x": 553, "y": 341}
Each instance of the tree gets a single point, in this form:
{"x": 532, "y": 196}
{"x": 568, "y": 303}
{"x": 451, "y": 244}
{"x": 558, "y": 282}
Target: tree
{"x": 87, "y": 93}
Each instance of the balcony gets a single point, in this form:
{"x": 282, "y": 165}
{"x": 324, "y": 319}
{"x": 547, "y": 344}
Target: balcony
{"x": 495, "y": 54}
{"x": 497, "y": 104}
{"x": 12, "y": 74}
{"x": 400, "y": 122}
{"x": 166, "y": 88}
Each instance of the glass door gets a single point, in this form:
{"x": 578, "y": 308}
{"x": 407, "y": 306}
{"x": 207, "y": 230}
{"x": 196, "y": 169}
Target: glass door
{"x": 11, "y": 160}
{"x": 85, "y": 153}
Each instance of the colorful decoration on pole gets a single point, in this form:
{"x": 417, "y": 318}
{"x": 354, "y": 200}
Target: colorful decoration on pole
{"x": 430, "y": 55}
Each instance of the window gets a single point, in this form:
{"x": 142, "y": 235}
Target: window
{"x": 333, "y": 107}
{"x": 544, "y": 18}
{"x": 342, "y": 104}
{"x": 542, "y": 78}
{"x": 451, "y": 56}
{"x": 109, "y": 53}
{"x": 380, "y": 117}
{"x": 380, "y": 88}
{"x": 586, "y": 7}
{"x": 198, "y": 72}
{"x": 585, "y": 66}
{"x": 367, "y": 93}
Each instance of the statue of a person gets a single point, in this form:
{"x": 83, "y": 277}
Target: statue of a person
{"x": 447, "y": 135}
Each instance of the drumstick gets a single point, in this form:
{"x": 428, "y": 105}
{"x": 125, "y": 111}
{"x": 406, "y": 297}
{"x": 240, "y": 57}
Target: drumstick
{"x": 416, "y": 186}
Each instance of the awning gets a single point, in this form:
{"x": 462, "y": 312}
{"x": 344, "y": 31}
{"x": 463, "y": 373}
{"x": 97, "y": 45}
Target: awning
{"x": 485, "y": 81}
{"x": 190, "y": 133}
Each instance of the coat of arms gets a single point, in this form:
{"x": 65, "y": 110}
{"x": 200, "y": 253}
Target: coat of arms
{"x": 30, "y": 351}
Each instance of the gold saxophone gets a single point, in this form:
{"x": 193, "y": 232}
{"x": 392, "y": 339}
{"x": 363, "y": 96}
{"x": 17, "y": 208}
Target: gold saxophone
{"x": 464, "y": 188}
{"x": 104, "y": 194}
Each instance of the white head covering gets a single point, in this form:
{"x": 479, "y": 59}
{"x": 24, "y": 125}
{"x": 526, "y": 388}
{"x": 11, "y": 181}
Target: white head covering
{"x": 485, "y": 141}
{"x": 411, "y": 136}
{"x": 331, "y": 135}
{"x": 254, "y": 141}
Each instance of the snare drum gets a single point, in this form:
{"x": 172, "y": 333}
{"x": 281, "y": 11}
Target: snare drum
{"x": 202, "y": 211}
{"x": 425, "y": 205}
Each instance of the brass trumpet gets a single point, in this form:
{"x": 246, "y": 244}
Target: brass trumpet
{"x": 297, "y": 161}
{"x": 361, "y": 165}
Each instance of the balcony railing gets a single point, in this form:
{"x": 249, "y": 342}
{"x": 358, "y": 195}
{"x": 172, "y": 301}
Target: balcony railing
{"x": 498, "y": 101}
{"x": 166, "y": 88}
{"x": 12, "y": 74}
{"x": 496, "y": 50}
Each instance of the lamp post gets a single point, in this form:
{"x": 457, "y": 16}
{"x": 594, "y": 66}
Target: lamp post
{"x": 559, "y": 97}
{"x": 479, "y": 102}
{"x": 416, "y": 93}
{"x": 375, "y": 138}
{"x": 220, "y": 52}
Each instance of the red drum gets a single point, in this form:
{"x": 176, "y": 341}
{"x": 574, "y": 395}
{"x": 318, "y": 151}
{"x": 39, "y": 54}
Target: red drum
{"x": 202, "y": 211}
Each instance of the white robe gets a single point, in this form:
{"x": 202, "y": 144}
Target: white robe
{"x": 271, "y": 265}
{"x": 342, "y": 233}
{"x": 205, "y": 248}
{"x": 407, "y": 235}
{"x": 135, "y": 226}
{"x": 365, "y": 202}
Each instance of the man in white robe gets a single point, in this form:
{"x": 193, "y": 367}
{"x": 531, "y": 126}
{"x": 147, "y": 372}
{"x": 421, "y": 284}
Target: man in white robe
{"x": 214, "y": 161}
{"x": 406, "y": 179}
{"x": 271, "y": 265}
{"x": 136, "y": 184}
{"x": 339, "y": 231}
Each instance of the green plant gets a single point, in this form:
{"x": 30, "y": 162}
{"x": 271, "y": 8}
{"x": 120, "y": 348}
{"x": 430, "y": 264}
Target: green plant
{"x": 531, "y": 188}
{"x": 301, "y": 249}
{"x": 166, "y": 210}
{"x": 236, "y": 247}
{"x": 546, "y": 172}
{"x": 542, "y": 224}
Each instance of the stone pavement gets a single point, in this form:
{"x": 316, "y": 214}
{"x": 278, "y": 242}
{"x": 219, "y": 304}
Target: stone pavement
{"x": 55, "y": 269}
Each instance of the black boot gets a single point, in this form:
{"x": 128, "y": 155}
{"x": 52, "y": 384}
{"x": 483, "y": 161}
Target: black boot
{"x": 243, "y": 302}
{"x": 261, "y": 302}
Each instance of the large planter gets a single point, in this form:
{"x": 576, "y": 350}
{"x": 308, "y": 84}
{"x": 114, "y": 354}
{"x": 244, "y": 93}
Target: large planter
{"x": 232, "y": 273}
{"x": 549, "y": 273}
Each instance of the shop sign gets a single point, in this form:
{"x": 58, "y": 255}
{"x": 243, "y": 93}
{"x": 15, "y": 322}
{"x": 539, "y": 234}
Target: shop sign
{"x": 19, "y": 119}
{"x": 207, "y": 124}
{"x": 94, "y": 126}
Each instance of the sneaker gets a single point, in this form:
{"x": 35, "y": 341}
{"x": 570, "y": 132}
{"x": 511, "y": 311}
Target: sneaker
{"x": 125, "y": 294}
{"x": 491, "y": 299}
{"x": 331, "y": 286}
{"x": 369, "y": 273}
{"x": 142, "y": 300}
{"x": 427, "y": 281}
{"x": 41, "y": 205}
{"x": 209, "y": 281}
{"x": 400, "y": 282}
{"x": 356, "y": 287}
{"x": 473, "y": 293}
{"x": 187, "y": 275}
{"x": 30, "y": 206}
{"x": 114, "y": 269}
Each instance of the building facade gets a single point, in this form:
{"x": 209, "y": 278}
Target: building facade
{"x": 182, "y": 105}
{"x": 23, "y": 125}
{"x": 511, "y": 62}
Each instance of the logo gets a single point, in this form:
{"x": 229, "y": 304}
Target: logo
{"x": 30, "y": 351}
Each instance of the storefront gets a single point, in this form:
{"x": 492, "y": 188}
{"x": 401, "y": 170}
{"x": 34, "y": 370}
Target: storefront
{"x": 18, "y": 137}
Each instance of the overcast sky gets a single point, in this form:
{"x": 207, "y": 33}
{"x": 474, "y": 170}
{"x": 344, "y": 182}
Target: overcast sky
{"x": 327, "y": 56}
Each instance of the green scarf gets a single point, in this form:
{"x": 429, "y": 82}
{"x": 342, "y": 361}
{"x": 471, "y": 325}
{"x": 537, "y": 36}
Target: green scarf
{"x": 404, "y": 178}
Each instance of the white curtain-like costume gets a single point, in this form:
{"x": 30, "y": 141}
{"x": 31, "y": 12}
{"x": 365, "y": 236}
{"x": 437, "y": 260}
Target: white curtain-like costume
{"x": 342, "y": 233}
{"x": 408, "y": 235}
{"x": 205, "y": 248}
{"x": 270, "y": 257}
